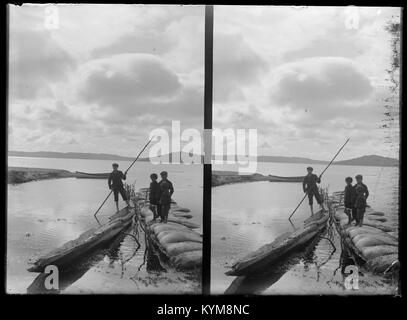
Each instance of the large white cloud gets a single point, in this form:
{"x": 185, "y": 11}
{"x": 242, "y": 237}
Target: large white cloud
{"x": 320, "y": 80}
{"x": 323, "y": 80}
{"x": 127, "y": 79}
{"x": 104, "y": 82}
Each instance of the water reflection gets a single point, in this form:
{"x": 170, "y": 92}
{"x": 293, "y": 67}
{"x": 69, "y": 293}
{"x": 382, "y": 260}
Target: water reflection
{"x": 43, "y": 215}
{"x": 118, "y": 251}
{"x": 259, "y": 283}
{"x": 76, "y": 268}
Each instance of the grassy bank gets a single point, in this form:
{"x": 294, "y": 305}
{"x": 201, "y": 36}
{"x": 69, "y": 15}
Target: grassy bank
{"x": 20, "y": 174}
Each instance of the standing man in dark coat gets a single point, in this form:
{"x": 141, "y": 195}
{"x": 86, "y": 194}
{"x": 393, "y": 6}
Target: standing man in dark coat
{"x": 362, "y": 193}
{"x": 309, "y": 185}
{"x": 116, "y": 185}
{"x": 154, "y": 196}
{"x": 167, "y": 190}
{"x": 349, "y": 200}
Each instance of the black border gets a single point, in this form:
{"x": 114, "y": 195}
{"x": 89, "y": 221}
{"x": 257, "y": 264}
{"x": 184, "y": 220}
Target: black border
{"x": 207, "y": 168}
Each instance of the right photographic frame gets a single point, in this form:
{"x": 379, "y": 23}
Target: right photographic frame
{"x": 306, "y": 145}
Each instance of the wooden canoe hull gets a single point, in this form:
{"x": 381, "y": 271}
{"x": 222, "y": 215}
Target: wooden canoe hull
{"x": 84, "y": 175}
{"x": 268, "y": 254}
{"x": 85, "y": 242}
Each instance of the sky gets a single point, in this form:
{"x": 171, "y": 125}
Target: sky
{"x": 100, "y": 78}
{"x": 307, "y": 78}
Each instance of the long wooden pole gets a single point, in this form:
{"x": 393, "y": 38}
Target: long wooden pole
{"x": 111, "y": 191}
{"x": 329, "y": 164}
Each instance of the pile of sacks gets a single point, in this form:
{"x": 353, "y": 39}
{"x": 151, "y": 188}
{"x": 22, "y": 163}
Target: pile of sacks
{"x": 373, "y": 242}
{"x": 180, "y": 244}
{"x": 176, "y": 238}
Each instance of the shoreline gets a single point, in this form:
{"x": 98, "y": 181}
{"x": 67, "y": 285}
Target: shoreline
{"x": 220, "y": 178}
{"x": 17, "y": 175}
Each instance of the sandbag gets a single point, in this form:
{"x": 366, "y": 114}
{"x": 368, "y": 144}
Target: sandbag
{"x": 180, "y": 237}
{"x": 377, "y": 218}
{"x": 344, "y": 221}
{"x": 182, "y": 215}
{"x": 376, "y": 251}
{"x": 146, "y": 212}
{"x": 373, "y": 235}
{"x": 159, "y": 227}
{"x": 180, "y": 209}
{"x": 162, "y": 234}
{"x": 173, "y": 249}
{"x": 376, "y": 213}
{"x": 354, "y": 231}
{"x": 377, "y": 225}
{"x": 374, "y": 240}
{"x": 361, "y": 236}
{"x": 184, "y": 222}
{"x": 187, "y": 260}
{"x": 381, "y": 263}
{"x": 340, "y": 215}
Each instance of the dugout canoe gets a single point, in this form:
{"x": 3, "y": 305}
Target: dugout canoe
{"x": 285, "y": 179}
{"x": 85, "y": 242}
{"x": 85, "y": 175}
{"x": 261, "y": 259}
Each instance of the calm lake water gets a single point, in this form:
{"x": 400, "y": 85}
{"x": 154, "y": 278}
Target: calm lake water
{"x": 245, "y": 216}
{"x": 43, "y": 215}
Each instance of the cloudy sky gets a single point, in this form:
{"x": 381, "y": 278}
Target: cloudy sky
{"x": 306, "y": 78}
{"x": 99, "y": 78}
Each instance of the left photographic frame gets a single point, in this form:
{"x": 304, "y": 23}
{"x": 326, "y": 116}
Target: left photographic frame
{"x": 105, "y": 167}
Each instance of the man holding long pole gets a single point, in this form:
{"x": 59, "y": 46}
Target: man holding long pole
{"x": 122, "y": 175}
{"x": 116, "y": 185}
{"x": 329, "y": 164}
{"x": 310, "y": 187}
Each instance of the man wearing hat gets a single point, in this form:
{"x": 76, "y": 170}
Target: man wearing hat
{"x": 310, "y": 187}
{"x": 116, "y": 185}
{"x": 167, "y": 190}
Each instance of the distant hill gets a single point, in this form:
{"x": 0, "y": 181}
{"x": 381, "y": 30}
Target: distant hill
{"x": 289, "y": 159}
{"x": 70, "y": 155}
{"x": 80, "y": 155}
{"x": 370, "y": 160}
